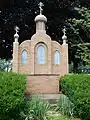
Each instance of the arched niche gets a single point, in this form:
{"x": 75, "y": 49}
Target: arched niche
{"x": 24, "y": 57}
{"x": 56, "y": 57}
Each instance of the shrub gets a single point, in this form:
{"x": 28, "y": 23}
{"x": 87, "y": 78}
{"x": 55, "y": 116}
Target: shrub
{"x": 77, "y": 88}
{"x": 37, "y": 109}
{"x": 65, "y": 106}
{"x": 12, "y": 88}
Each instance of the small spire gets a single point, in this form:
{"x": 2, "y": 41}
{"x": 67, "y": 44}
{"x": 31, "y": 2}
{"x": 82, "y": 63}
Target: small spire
{"x": 40, "y": 6}
{"x": 64, "y": 37}
{"x": 16, "y": 36}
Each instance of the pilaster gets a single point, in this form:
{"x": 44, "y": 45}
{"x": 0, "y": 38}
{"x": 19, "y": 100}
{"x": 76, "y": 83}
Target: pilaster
{"x": 15, "y": 66}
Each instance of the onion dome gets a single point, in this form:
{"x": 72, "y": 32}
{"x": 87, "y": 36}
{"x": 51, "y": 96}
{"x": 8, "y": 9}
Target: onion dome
{"x": 40, "y": 18}
{"x": 64, "y": 37}
{"x": 16, "y": 36}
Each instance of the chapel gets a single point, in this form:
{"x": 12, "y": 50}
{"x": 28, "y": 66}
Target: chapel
{"x": 43, "y": 61}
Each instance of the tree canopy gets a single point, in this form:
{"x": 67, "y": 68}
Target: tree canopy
{"x": 74, "y": 14}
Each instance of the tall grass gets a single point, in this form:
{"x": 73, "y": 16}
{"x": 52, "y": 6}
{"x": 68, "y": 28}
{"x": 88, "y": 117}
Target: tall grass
{"x": 65, "y": 106}
{"x": 37, "y": 109}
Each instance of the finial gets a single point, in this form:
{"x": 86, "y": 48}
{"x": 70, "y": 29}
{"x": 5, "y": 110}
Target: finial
{"x": 64, "y": 30}
{"x": 16, "y": 36}
{"x": 40, "y": 6}
{"x": 16, "y": 28}
{"x": 64, "y": 37}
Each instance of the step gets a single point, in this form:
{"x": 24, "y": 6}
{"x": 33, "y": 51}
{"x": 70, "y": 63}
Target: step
{"x": 51, "y": 98}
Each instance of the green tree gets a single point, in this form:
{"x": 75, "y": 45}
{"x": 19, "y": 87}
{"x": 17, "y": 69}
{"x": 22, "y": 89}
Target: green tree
{"x": 79, "y": 29}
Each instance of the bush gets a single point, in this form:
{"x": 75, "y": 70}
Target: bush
{"x": 77, "y": 88}
{"x": 37, "y": 109}
{"x": 12, "y": 89}
{"x": 65, "y": 106}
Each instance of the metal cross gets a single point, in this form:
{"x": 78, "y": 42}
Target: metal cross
{"x": 64, "y": 30}
{"x": 16, "y": 28}
{"x": 40, "y": 6}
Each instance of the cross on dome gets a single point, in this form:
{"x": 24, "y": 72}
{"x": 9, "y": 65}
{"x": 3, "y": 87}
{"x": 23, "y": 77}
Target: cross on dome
{"x": 64, "y": 37}
{"x": 64, "y": 30}
{"x": 16, "y": 28}
{"x": 40, "y": 6}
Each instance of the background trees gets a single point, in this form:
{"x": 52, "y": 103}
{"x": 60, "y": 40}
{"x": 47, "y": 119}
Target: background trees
{"x": 79, "y": 32}
{"x": 74, "y": 14}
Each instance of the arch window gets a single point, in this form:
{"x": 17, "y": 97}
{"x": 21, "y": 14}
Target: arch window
{"x": 57, "y": 57}
{"x": 41, "y": 54}
{"x": 24, "y": 57}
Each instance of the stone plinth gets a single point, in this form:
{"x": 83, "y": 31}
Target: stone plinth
{"x": 43, "y": 84}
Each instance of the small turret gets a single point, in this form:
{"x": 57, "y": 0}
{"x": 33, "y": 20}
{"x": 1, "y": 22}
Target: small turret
{"x": 15, "y": 65}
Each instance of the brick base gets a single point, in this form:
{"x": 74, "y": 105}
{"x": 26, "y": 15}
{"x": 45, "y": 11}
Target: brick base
{"x": 43, "y": 84}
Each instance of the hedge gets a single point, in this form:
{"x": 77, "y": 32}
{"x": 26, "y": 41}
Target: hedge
{"x": 12, "y": 89}
{"x": 77, "y": 88}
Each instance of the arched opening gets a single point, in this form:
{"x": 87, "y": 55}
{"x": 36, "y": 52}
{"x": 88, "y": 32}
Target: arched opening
{"x": 24, "y": 57}
{"x": 57, "y": 57}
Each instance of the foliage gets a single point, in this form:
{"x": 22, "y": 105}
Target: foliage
{"x": 12, "y": 89}
{"x": 5, "y": 65}
{"x": 65, "y": 106}
{"x": 83, "y": 54}
{"x": 79, "y": 29}
{"x": 80, "y": 25}
{"x": 84, "y": 21}
{"x": 77, "y": 88}
{"x": 37, "y": 109}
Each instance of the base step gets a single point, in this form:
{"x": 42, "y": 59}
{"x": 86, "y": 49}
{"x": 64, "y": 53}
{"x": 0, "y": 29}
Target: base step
{"x": 51, "y": 98}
